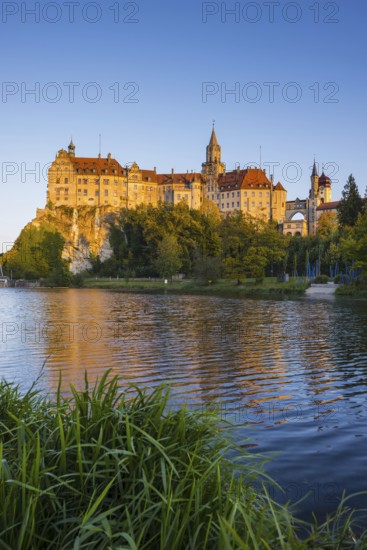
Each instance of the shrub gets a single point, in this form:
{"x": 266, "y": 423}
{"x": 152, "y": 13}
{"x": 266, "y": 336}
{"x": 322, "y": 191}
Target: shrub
{"x": 321, "y": 279}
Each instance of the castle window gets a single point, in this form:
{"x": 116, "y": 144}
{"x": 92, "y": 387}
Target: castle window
{"x": 115, "y": 183}
{"x": 232, "y": 194}
{"x": 253, "y": 194}
{"x": 66, "y": 191}
{"x": 268, "y": 194}
{"x": 238, "y": 204}
{"x": 179, "y": 197}
{"x": 115, "y": 193}
{"x": 135, "y": 196}
{"x": 227, "y": 195}
{"x": 232, "y": 204}
{"x": 66, "y": 180}
{"x": 260, "y": 193}
{"x": 79, "y": 181}
{"x": 114, "y": 202}
{"x": 97, "y": 193}
{"x": 260, "y": 204}
{"x": 135, "y": 186}
{"x": 222, "y": 205}
{"x": 245, "y": 193}
{"x": 268, "y": 204}
{"x": 106, "y": 192}
{"x": 85, "y": 192}
{"x": 238, "y": 193}
{"x": 85, "y": 181}
{"x": 79, "y": 191}
{"x": 253, "y": 205}
{"x": 227, "y": 204}
{"x": 106, "y": 182}
{"x": 57, "y": 191}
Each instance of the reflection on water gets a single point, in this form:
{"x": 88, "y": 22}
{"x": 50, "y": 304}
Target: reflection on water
{"x": 291, "y": 375}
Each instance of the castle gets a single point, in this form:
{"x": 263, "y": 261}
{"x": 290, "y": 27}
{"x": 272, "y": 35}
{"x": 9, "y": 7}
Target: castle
{"x": 96, "y": 181}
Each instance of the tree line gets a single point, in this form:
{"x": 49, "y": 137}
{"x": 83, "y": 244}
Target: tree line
{"x": 165, "y": 240}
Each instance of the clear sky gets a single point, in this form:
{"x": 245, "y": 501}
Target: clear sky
{"x": 151, "y": 76}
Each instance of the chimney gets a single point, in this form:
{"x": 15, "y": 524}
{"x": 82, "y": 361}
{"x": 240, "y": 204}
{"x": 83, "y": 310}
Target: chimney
{"x": 172, "y": 172}
{"x": 109, "y": 156}
{"x": 155, "y": 169}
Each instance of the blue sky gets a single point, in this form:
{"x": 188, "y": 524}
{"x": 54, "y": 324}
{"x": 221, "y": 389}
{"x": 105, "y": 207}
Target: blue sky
{"x": 151, "y": 77}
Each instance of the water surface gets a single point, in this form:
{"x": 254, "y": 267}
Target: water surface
{"x": 291, "y": 374}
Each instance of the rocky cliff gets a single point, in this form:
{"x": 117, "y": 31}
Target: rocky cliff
{"x": 85, "y": 230}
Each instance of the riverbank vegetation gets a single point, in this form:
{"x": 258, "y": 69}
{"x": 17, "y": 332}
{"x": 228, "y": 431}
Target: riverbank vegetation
{"x": 205, "y": 247}
{"x": 249, "y": 288}
{"x": 113, "y": 467}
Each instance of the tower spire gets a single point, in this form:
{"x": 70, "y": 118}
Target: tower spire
{"x": 314, "y": 170}
{"x": 71, "y": 148}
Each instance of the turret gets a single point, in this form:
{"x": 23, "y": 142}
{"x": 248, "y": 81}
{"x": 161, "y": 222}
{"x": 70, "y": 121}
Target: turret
{"x": 213, "y": 165}
{"x": 314, "y": 181}
{"x": 71, "y": 148}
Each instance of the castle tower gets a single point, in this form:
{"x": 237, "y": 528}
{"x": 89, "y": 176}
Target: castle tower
{"x": 314, "y": 181}
{"x": 213, "y": 165}
{"x": 313, "y": 201}
{"x": 324, "y": 188}
{"x": 71, "y": 148}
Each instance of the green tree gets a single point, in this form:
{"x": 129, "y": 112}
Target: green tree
{"x": 351, "y": 204}
{"x": 36, "y": 254}
{"x": 354, "y": 245}
{"x": 168, "y": 260}
{"x": 206, "y": 268}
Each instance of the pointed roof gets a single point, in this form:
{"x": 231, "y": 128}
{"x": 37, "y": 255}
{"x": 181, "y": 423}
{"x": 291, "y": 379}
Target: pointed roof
{"x": 279, "y": 187}
{"x": 213, "y": 138}
{"x": 314, "y": 170}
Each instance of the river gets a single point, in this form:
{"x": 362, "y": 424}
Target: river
{"x": 291, "y": 374}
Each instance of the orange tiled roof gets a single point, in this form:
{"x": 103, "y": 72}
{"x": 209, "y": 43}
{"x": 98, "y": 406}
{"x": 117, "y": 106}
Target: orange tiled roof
{"x": 183, "y": 179}
{"x": 100, "y": 165}
{"x": 328, "y": 206}
{"x": 246, "y": 179}
{"x": 279, "y": 187}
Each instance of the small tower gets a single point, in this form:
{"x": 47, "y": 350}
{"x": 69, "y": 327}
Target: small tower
{"x": 213, "y": 165}
{"x": 324, "y": 188}
{"x": 313, "y": 201}
{"x": 71, "y": 148}
{"x": 314, "y": 181}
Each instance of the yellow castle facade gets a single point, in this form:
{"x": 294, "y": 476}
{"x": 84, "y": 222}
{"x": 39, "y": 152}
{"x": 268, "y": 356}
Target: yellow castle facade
{"x": 96, "y": 181}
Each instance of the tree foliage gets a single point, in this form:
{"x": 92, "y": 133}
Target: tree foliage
{"x": 351, "y": 204}
{"x": 37, "y": 254}
{"x": 168, "y": 260}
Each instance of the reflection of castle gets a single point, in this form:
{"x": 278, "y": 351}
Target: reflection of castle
{"x": 301, "y": 216}
{"x": 80, "y": 181}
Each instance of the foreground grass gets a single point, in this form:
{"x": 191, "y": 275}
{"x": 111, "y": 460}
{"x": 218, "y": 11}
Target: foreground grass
{"x": 248, "y": 288}
{"x": 100, "y": 470}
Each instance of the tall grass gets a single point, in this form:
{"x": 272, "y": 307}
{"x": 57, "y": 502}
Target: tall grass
{"x": 105, "y": 469}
